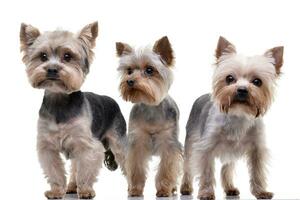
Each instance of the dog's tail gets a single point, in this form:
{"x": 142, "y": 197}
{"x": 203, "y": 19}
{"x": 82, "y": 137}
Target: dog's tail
{"x": 116, "y": 150}
{"x": 115, "y": 144}
{"x": 109, "y": 158}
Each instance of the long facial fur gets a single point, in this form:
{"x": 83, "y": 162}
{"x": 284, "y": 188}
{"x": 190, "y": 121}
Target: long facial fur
{"x": 245, "y": 69}
{"x": 55, "y": 44}
{"x": 220, "y": 127}
{"x": 148, "y": 89}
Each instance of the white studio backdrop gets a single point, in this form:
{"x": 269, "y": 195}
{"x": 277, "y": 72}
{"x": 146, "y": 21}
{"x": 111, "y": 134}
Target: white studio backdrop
{"x": 193, "y": 28}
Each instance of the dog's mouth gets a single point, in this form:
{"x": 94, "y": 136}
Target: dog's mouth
{"x": 254, "y": 109}
{"x": 49, "y": 81}
{"x": 244, "y": 102}
{"x": 52, "y": 78}
{"x": 136, "y": 94}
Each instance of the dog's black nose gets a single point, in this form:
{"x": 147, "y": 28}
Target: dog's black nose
{"x": 242, "y": 94}
{"x": 52, "y": 73}
{"x": 130, "y": 83}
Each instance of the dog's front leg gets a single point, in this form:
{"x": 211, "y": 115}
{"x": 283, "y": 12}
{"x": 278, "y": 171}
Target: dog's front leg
{"x": 53, "y": 168}
{"x": 87, "y": 156}
{"x": 257, "y": 158}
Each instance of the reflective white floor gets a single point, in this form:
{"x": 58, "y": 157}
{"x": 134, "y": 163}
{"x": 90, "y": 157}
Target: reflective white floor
{"x": 176, "y": 197}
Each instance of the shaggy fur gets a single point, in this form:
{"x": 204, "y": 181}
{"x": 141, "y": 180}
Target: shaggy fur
{"x": 227, "y": 124}
{"x": 153, "y": 124}
{"x": 84, "y": 126}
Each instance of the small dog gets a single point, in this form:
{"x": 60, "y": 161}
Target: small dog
{"x": 153, "y": 124}
{"x": 78, "y": 124}
{"x": 228, "y": 124}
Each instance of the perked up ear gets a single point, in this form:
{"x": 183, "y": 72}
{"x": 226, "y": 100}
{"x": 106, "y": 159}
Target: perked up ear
{"x": 224, "y": 47}
{"x": 163, "y": 48}
{"x": 277, "y": 54}
{"x": 89, "y": 34}
{"x": 123, "y": 49}
{"x": 28, "y": 35}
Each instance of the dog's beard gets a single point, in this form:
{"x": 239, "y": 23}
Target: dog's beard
{"x": 255, "y": 105}
{"x": 142, "y": 93}
{"x": 66, "y": 82}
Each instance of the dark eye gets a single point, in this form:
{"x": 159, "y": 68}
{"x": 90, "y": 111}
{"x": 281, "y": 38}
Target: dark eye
{"x": 257, "y": 82}
{"x": 230, "y": 79}
{"x": 43, "y": 57}
{"x": 67, "y": 57}
{"x": 149, "y": 70}
{"x": 129, "y": 71}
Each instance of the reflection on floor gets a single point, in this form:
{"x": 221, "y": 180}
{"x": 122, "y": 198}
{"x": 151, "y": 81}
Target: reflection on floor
{"x": 176, "y": 197}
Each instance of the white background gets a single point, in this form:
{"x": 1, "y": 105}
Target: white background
{"x": 193, "y": 27}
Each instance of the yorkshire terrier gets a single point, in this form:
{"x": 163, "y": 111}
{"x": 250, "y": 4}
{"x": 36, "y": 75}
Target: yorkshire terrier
{"x": 146, "y": 77}
{"x": 228, "y": 123}
{"x": 82, "y": 125}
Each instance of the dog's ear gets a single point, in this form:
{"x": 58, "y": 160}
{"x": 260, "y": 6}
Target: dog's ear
{"x": 224, "y": 47}
{"x": 277, "y": 54}
{"x": 28, "y": 35}
{"x": 89, "y": 34}
{"x": 163, "y": 48}
{"x": 123, "y": 49}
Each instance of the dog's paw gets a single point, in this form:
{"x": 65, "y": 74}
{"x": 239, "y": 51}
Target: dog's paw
{"x": 72, "y": 188}
{"x": 55, "y": 194}
{"x": 135, "y": 192}
{"x": 86, "y": 193}
{"x": 264, "y": 195}
{"x": 163, "y": 193}
{"x": 174, "y": 190}
{"x": 232, "y": 192}
{"x": 186, "y": 189}
{"x": 206, "y": 196}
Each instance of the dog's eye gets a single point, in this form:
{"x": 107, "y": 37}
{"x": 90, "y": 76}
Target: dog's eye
{"x": 129, "y": 71}
{"x": 67, "y": 57}
{"x": 149, "y": 70}
{"x": 257, "y": 82}
{"x": 43, "y": 57}
{"x": 230, "y": 79}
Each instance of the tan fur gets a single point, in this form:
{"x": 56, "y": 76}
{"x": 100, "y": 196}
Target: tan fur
{"x": 58, "y": 62}
{"x": 148, "y": 89}
{"x": 145, "y": 90}
{"x": 258, "y": 103}
{"x": 207, "y": 178}
{"x": 123, "y": 48}
{"x": 224, "y": 47}
{"x": 277, "y": 54}
{"x": 154, "y": 118}
{"x": 76, "y": 140}
{"x": 164, "y": 49}
{"x": 88, "y": 35}
{"x": 245, "y": 70}
{"x": 234, "y": 128}
{"x": 118, "y": 147}
{"x": 28, "y": 35}
{"x": 187, "y": 180}
{"x": 227, "y": 179}
{"x": 256, "y": 158}
{"x": 55, "y": 193}
{"x": 141, "y": 148}
{"x": 72, "y": 185}
{"x": 71, "y": 77}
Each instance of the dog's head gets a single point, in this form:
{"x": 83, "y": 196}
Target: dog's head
{"x": 146, "y": 74}
{"x": 57, "y": 61}
{"x": 245, "y": 85}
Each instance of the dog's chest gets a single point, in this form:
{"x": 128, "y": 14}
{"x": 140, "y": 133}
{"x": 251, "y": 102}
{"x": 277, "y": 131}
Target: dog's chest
{"x": 233, "y": 139}
{"x": 63, "y": 135}
{"x": 155, "y": 116}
